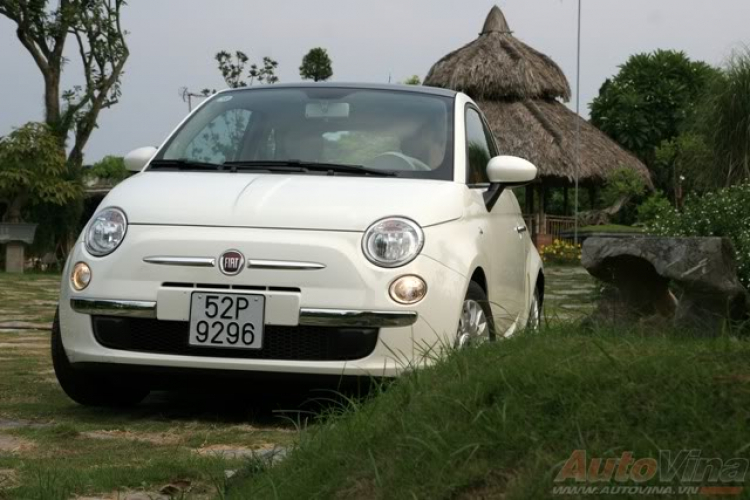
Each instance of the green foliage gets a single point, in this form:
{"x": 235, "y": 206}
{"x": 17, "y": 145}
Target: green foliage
{"x": 725, "y": 213}
{"x": 622, "y": 183}
{"x": 109, "y": 168}
{"x": 683, "y": 161}
{"x": 232, "y": 68}
{"x": 653, "y": 207}
{"x": 316, "y": 65}
{"x": 33, "y": 170}
{"x": 725, "y": 123}
{"x": 413, "y": 80}
{"x": 649, "y": 101}
{"x": 499, "y": 421}
{"x": 94, "y": 25}
{"x": 624, "y": 187}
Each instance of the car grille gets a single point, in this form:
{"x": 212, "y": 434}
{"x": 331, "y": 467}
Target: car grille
{"x": 299, "y": 343}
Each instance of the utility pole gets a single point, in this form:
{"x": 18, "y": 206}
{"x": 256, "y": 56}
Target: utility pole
{"x": 578, "y": 125}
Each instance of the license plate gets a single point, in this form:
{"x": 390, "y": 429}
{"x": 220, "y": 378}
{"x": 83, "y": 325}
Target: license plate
{"x": 228, "y": 320}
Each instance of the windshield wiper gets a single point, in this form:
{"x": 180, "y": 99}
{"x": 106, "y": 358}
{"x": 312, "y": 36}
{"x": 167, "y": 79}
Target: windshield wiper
{"x": 183, "y": 164}
{"x": 305, "y": 166}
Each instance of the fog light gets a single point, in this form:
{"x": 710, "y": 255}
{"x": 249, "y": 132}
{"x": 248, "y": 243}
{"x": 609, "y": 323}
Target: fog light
{"x": 408, "y": 289}
{"x": 81, "y": 276}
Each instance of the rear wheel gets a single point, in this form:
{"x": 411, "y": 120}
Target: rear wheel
{"x": 91, "y": 388}
{"x": 475, "y": 324}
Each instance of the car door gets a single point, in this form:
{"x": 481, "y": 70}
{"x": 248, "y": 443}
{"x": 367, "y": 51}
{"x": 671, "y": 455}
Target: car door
{"x": 504, "y": 228}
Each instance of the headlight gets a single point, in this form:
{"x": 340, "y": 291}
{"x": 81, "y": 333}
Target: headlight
{"x": 106, "y": 231}
{"x": 392, "y": 242}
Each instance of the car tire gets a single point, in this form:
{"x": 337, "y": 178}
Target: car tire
{"x": 92, "y": 388}
{"x": 535, "y": 311}
{"x": 475, "y": 324}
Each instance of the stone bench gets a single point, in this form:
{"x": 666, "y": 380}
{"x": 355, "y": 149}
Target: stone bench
{"x": 643, "y": 272}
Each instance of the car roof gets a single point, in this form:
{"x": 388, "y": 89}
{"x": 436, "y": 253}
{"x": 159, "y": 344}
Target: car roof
{"x": 416, "y": 89}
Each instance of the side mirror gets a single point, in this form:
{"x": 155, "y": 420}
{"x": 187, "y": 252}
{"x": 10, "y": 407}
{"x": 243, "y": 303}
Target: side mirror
{"x": 510, "y": 171}
{"x": 138, "y": 158}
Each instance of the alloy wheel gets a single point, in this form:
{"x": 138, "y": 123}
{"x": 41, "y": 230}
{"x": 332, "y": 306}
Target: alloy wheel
{"x": 473, "y": 327}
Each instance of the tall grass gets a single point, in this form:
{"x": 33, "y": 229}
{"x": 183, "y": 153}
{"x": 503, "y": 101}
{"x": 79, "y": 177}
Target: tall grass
{"x": 498, "y": 421}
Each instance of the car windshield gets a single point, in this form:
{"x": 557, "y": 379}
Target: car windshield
{"x": 407, "y": 134}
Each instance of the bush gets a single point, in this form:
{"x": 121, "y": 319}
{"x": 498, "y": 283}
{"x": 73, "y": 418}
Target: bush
{"x": 561, "y": 252}
{"x": 652, "y": 207}
{"x": 724, "y": 213}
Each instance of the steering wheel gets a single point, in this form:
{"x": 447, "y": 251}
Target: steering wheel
{"x": 394, "y": 160}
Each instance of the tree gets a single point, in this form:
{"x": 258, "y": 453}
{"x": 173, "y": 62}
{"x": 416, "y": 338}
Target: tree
{"x": 33, "y": 171}
{"x": 316, "y": 65}
{"x": 109, "y": 168}
{"x": 725, "y": 123}
{"x": 44, "y": 30}
{"x": 232, "y": 68}
{"x": 650, "y": 101}
{"x": 413, "y": 80}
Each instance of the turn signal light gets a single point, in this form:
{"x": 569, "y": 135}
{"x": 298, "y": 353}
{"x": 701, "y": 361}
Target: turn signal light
{"x": 408, "y": 289}
{"x": 81, "y": 276}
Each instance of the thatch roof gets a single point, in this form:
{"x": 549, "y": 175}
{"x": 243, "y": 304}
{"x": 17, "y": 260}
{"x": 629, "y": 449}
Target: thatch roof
{"x": 497, "y": 65}
{"x": 519, "y": 90}
{"x": 544, "y": 132}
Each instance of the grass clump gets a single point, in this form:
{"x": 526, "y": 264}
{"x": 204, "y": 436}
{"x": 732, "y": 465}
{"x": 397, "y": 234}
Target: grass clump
{"x": 499, "y": 421}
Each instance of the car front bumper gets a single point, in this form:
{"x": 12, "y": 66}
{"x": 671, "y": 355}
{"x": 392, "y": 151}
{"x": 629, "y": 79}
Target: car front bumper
{"x": 344, "y": 291}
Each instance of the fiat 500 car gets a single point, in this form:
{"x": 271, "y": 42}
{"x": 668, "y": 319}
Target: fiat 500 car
{"x": 300, "y": 229}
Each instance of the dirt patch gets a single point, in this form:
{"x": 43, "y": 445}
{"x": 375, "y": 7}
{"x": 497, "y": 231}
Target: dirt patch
{"x": 18, "y": 424}
{"x": 235, "y": 451}
{"x": 25, "y": 325}
{"x": 11, "y": 444}
{"x": 8, "y": 478}
{"x": 157, "y": 438}
{"x": 23, "y": 345}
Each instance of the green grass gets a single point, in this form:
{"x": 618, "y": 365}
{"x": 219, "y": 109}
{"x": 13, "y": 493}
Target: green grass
{"x": 611, "y": 228}
{"x": 142, "y": 449}
{"x": 67, "y": 450}
{"x": 499, "y": 421}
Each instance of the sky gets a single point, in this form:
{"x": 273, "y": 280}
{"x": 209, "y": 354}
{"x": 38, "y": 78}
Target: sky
{"x": 172, "y": 44}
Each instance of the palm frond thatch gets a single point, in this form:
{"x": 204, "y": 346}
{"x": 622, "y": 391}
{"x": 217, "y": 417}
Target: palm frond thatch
{"x": 498, "y": 65}
{"x": 519, "y": 90}
{"x": 544, "y": 132}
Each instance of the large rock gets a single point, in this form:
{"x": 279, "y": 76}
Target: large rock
{"x": 644, "y": 271}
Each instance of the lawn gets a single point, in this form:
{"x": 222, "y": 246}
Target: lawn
{"x": 186, "y": 443}
{"x": 500, "y": 421}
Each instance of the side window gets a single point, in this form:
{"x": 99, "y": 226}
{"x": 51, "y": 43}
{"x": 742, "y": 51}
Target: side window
{"x": 478, "y": 148}
{"x": 220, "y": 140}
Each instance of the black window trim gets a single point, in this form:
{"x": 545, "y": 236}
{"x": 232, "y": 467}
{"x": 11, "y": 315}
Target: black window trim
{"x": 492, "y": 142}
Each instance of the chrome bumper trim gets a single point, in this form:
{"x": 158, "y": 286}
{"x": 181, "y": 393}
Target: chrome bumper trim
{"x": 104, "y": 307}
{"x": 181, "y": 261}
{"x": 355, "y": 318}
{"x": 283, "y": 264}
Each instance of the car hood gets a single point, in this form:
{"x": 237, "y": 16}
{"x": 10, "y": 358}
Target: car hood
{"x": 295, "y": 201}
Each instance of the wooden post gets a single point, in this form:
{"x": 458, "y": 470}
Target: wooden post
{"x": 565, "y": 200}
{"x": 542, "y": 207}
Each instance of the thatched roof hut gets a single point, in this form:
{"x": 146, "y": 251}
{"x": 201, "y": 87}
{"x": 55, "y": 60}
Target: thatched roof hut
{"x": 520, "y": 91}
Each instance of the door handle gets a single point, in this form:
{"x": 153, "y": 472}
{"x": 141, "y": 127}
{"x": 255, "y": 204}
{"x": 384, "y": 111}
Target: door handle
{"x": 521, "y": 229}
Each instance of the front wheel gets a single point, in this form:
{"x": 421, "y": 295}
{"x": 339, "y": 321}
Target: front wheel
{"x": 535, "y": 311}
{"x": 91, "y": 388}
{"x": 475, "y": 324}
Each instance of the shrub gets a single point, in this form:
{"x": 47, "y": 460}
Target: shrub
{"x": 561, "y": 252}
{"x": 724, "y": 213}
{"x": 652, "y": 207}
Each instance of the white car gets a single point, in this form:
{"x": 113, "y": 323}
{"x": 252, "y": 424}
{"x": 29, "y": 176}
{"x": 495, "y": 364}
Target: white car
{"x": 319, "y": 229}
